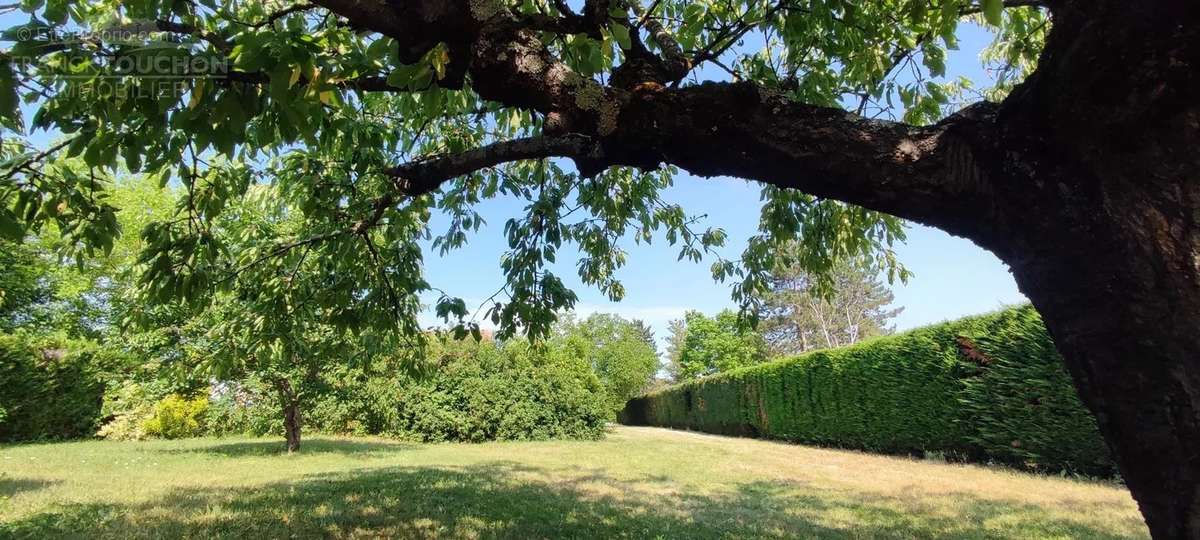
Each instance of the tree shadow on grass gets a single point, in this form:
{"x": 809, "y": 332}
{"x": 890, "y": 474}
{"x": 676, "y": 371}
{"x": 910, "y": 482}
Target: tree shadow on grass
{"x": 308, "y": 446}
{"x": 11, "y": 486}
{"x": 504, "y": 500}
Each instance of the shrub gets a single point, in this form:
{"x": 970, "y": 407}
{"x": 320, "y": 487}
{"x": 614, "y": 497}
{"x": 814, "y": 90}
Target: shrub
{"x": 126, "y": 409}
{"x": 176, "y": 417}
{"x": 134, "y": 400}
{"x": 484, "y": 391}
{"x": 478, "y": 392}
{"x": 50, "y": 387}
{"x": 985, "y": 388}
{"x": 243, "y": 408}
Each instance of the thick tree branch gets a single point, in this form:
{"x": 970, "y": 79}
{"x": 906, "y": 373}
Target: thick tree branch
{"x": 506, "y": 59}
{"x": 930, "y": 174}
{"x": 422, "y": 177}
{"x": 590, "y": 22}
{"x": 675, "y": 62}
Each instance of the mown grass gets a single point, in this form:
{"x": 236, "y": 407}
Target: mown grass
{"x": 637, "y": 483}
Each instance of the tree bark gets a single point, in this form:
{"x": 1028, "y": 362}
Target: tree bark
{"x": 1103, "y": 233}
{"x": 290, "y": 403}
{"x": 1086, "y": 181}
{"x": 291, "y": 426}
{"x": 1124, "y": 308}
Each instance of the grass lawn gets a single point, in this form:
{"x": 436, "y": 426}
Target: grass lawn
{"x": 637, "y": 483}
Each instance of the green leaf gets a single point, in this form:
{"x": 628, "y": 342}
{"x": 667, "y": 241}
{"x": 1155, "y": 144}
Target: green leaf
{"x": 621, "y": 35}
{"x": 399, "y": 78}
{"x": 993, "y": 11}
{"x": 281, "y": 77}
{"x": 8, "y": 95}
{"x": 10, "y": 226}
{"x": 56, "y": 11}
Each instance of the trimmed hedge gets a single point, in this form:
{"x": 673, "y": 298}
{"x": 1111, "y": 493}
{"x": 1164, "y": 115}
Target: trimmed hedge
{"x": 989, "y": 388}
{"x": 50, "y": 388}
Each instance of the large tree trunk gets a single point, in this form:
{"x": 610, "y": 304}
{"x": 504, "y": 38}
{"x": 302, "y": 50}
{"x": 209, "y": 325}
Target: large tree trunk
{"x": 1103, "y": 233}
{"x": 1124, "y": 310}
{"x": 1119, "y": 289}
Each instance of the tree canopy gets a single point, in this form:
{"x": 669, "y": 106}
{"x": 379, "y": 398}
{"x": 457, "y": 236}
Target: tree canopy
{"x": 366, "y": 123}
{"x": 711, "y": 345}
{"x": 619, "y": 352}
{"x": 799, "y": 316}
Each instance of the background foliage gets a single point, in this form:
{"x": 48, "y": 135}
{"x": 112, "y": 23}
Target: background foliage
{"x": 185, "y": 372}
{"x": 799, "y": 314}
{"x": 479, "y": 392}
{"x": 621, "y": 353}
{"x": 984, "y": 388}
{"x": 705, "y": 345}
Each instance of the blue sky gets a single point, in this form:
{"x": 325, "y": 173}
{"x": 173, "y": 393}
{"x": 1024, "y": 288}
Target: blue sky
{"x": 953, "y": 277}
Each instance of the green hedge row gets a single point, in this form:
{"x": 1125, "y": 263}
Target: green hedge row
{"x": 50, "y": 388}
{"x": 989, "y": 388}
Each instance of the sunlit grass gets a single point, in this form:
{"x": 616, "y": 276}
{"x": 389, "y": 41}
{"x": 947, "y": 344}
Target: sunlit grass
{"x": 637, "y": 483}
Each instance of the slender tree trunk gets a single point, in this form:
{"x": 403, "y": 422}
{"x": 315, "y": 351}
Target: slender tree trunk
{"x": 851, "y": 327}
{"x": 292, "y": 420}
{"x": 291, "y": 426}
{"x": 817, "y": 310}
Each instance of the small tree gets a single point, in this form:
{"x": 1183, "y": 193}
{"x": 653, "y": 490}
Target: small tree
{"x": 800, "y": 314}
{"x": 715, "y": 344}
{"x": 285, "y": 352}
{"x": 619, "y": 352}
{"x": 675, "y": 343}
{"x": 282, "y": 319}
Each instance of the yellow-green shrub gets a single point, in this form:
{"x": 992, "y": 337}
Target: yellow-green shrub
{"x": 126, "y": 409}
{"x": 176, "y": 417}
